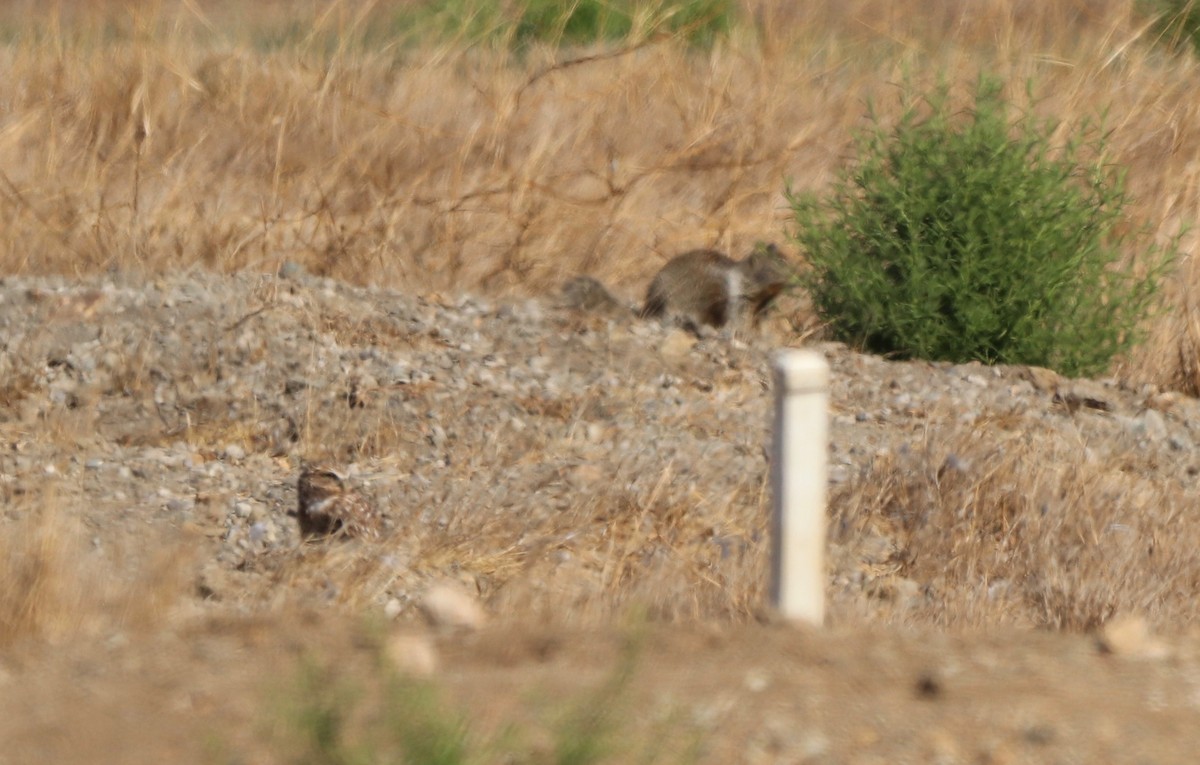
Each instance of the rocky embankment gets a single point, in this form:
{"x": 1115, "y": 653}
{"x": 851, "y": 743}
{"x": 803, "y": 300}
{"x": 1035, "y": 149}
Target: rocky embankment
{"x": 502, "y": 439}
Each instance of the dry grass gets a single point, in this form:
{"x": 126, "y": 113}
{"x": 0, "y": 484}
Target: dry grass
{"x": 38, "y": 597}
{"x": 179, "y": 143}
{"x": 608, "y": 554}
{"x": 54, "y": 586}
{"x": 167, "y": 135}
{"x": 1029, "y": 529}
{"x": 1023, "y": 528}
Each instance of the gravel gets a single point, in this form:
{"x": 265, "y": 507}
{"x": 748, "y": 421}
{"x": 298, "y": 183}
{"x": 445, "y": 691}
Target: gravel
{"x": 189, "y": 402}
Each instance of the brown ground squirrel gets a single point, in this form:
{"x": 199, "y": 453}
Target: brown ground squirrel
{"x": 698, "y": 288}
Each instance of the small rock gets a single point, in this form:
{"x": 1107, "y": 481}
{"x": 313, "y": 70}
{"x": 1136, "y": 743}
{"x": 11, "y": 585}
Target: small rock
{"x": 290, "y": 269}
{"x": 757, "y": 680}
{"x": 234, "y": 453}
{"x": 446, "y": 604}
{"x": 813, "y": 746}
{"x": 180, "y": 505}
{"x": 393, "y": 608}
{"x": 677, "y": 344}
{"x": 258, "y": 532}
{"x": 1130, "y": 636}
{"x": 412, "y": 654}
{"x": 1042, "y": 379}
{"x": 1151, "y": 424}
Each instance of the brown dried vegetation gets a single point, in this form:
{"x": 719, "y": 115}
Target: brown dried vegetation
{"x": 441, "y": 169}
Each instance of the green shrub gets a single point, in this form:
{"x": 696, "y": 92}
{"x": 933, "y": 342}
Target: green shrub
{"x": 572, "y": 22}
{"x": 968, "y": 236}
{"x": 389, "y": 717}
{"x": 328, "y": 723}
{"x": 1177, "y": 21}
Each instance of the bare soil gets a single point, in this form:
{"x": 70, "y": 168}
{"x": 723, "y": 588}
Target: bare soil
{"x": 727, "y": 693}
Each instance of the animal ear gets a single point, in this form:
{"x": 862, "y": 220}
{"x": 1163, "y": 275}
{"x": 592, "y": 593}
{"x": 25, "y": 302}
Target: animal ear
{"x": 768, "y": 249}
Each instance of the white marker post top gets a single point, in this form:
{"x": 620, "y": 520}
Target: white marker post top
{"x": 801, "y": 371}
{"x": 798, "y": 482}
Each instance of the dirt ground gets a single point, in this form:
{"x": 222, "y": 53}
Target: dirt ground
{"x": 705, "y": 693}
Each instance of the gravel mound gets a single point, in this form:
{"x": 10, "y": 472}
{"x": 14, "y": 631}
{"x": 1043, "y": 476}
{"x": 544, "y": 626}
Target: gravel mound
{"x": 501, "y": 440}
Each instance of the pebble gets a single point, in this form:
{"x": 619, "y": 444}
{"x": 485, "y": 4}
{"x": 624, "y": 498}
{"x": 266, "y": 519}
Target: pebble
{"x": 1129, "y": 635}
{"x": 412, "y": 654}
{"x": 1152, "y": 424}
{"x": 393, "y": 608}
{"x": 180, "y": 505}
{"x": 446, "y": 604}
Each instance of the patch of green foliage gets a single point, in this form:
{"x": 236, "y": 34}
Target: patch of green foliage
{"x": 570, "y": 22}
{"x": 330, "y": 724}
{"x": 1177, "y": 22}
{"x": 401, "y": 27}
{"x": 395, "y": 718}
{"x": 968, "y": 235}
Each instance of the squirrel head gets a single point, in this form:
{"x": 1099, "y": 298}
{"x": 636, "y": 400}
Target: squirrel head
{"x": 766, "y": 265}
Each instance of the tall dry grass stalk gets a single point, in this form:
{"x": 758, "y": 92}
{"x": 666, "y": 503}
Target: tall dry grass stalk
{"x": 608, "y": 554}
{"x": 1018, "y": 529}
{"x": 169, "y": 135}
{"x": 1022, "y": 526}
{"x": 54, "y": 586}
{"x": 39, "y": 595}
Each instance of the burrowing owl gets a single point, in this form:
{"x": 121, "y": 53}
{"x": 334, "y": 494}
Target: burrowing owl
{"x": 327, "y": 506}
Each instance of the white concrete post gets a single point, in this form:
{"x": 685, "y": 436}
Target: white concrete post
{"x": 798, "y": 484}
